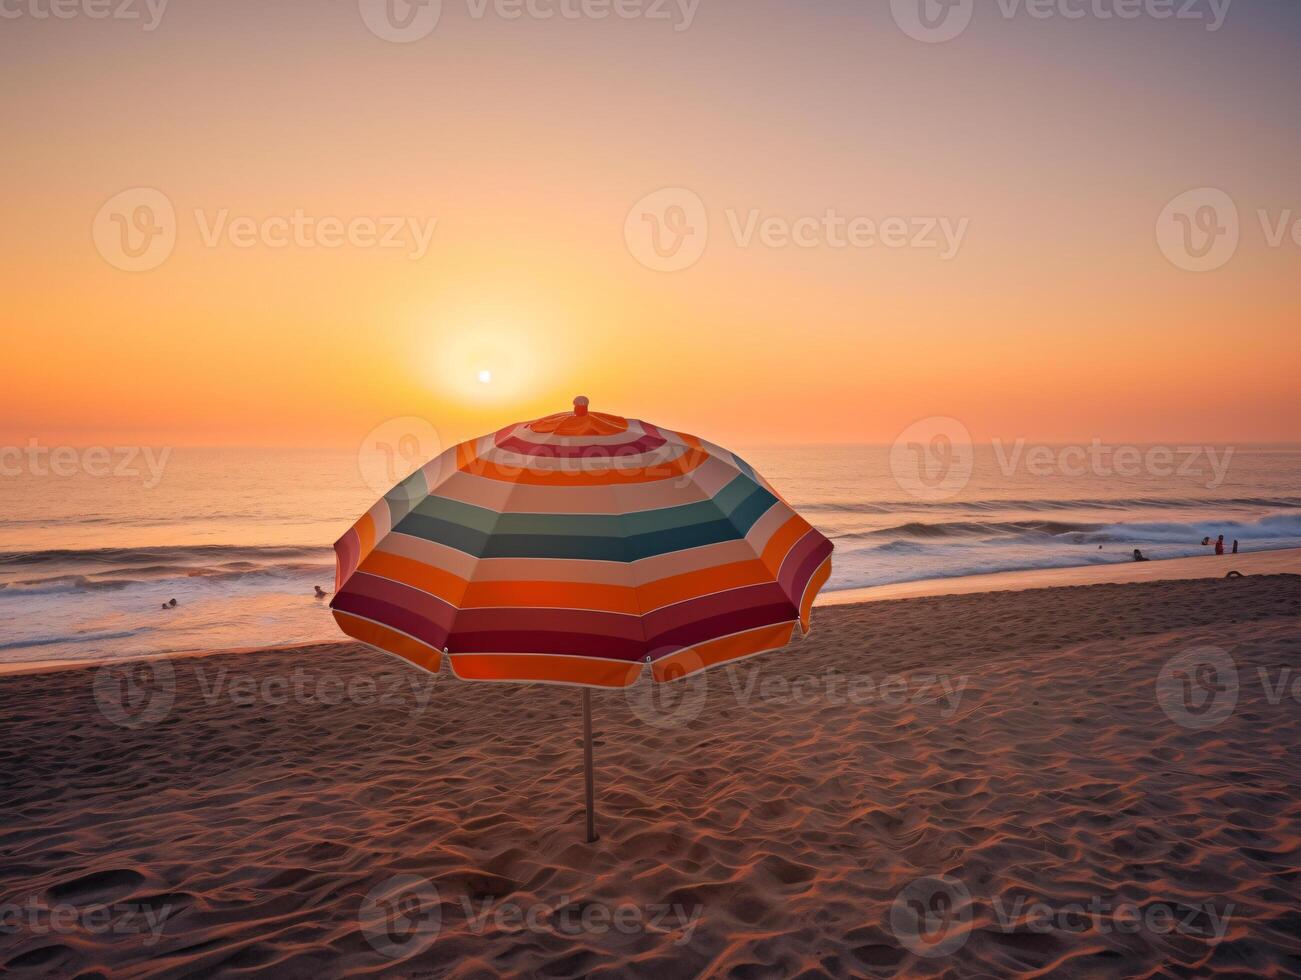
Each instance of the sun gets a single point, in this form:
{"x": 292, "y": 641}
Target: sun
{"x": 485, "y": 377}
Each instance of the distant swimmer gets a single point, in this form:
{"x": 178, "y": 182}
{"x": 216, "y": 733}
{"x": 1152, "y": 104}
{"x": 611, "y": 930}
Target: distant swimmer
{"x": 1206, "y": 540}
{"x": 1139, "y": 556}
{"x": 172, "y": 603}
{"x": 1235, "y": 546}
{"x": 320, "y": 592}
{"x": 1219, "y": 545}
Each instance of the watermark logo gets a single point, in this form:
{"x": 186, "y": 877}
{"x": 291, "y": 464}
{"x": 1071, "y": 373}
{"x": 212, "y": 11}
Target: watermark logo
{"x": 1198, "y": 689}
{"x": 401, "y": 916}
{"x": 933, "y": 458}
{"x": 932, "y": 21}
{"x": 135, "y": 230}
{"x": 1199, "y": 230}
{"x": 401, "y": 21}
{"x": 393, "y": 450}
{"x": 932, "y": 916}
{"x": 135, "y": 694}
{"x": 667, "y": 230}
{"x": 674, "y": 696}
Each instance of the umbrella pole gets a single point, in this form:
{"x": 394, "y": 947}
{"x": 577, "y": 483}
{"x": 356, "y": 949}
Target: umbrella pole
{"x": 587, "y": 765}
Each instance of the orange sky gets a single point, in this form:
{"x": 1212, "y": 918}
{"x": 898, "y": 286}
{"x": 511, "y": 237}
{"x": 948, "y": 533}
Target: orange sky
{"x": 1057, "y": 142}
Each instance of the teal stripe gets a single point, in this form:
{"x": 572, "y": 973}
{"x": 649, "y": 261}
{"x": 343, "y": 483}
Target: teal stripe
{"x": 403, "y": 497}
{"x": 628, "y": 537}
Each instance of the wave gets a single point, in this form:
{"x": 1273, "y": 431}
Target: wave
{"x": 108, "y": 582}
{"x": 45, "y": 641}
{"x": 1080, "y": 532}
{"x": 169, "y": 556}
{"x": 1033, "y": 506}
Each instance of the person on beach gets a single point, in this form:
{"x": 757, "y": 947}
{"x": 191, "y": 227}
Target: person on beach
{"x": 1235, "y": 546}
{"x": 1219, "y": 545}
{"x": 1139, "y": 556}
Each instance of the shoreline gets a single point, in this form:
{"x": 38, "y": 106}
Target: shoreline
{"x": 1282, "y": 562}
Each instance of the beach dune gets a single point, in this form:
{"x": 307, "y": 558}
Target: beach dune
{"x": 931, "y": 786}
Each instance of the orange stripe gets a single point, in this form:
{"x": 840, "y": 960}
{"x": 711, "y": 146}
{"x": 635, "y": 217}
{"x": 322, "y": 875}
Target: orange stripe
{"x": 386, "y": 639}
{"x": 624, "y": 599}
{"x": 557, "y": 668}
{"x": 684, "y": 663}
{"x": 780, "y": 544}
{"x": 552, "y": 595}
{"x": 365, "y": 529}
{"x": 811, "y": 591}
{"x": 427, "y": 578}
{"x": 704, "y": 581}
{"x": 464, "y": 455}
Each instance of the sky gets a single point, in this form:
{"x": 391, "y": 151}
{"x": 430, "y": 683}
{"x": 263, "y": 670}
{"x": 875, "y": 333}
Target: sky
{"x": 764, "y": 222}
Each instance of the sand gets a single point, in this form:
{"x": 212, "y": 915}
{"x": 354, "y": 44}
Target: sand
{"x": 1088, "y": 781}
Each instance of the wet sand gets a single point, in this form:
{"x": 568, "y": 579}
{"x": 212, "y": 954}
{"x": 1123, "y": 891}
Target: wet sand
{"x": 1093, "y": 781}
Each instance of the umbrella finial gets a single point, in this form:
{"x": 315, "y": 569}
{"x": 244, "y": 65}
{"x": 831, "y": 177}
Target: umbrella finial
{"x": 580, "y": 405}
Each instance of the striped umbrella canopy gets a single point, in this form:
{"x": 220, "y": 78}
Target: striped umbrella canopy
{"x": 576, "y": 549}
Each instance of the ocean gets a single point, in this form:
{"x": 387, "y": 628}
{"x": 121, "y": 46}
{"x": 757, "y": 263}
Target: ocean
{"x": 240, "y": 537}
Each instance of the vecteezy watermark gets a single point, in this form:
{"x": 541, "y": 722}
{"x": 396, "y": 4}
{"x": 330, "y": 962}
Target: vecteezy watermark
{"x": 1201, "y": 230}
{"x": 566, "y": 917}
{"x": 680, "y": 702}
{"x": 405, "y": 21}
{"x": 135, "y": 694}
{"x": 403, "y": 915}
{"x": 1200, "y": 688}
{"x": 393, "y": 450}
{"x": 934, "y": 458}
{"x": 36, "y": 917}
{"x": 932, "y": 916}
{"x": 668, "y": 230}
{"x": 298, "y": 229}
{"x": 407, "y": 689}
{"x": 937, "y": 21}
{"x": 100, "y": 462}
{"x": 136, "y": 231}
{"x": 141, "y": 693}
{"x": 149, "y": 13}
{"x": 1194, "y": 463}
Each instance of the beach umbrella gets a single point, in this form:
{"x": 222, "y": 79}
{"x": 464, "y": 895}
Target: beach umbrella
{"x": 576, "y": 549}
